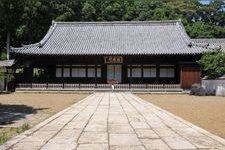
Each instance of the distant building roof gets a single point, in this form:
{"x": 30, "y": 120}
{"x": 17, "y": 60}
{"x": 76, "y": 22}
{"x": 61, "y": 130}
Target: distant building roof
{"x": 215, "y": 44}
{"x": 114, "y": 38}
{"x": 7, "y": 63}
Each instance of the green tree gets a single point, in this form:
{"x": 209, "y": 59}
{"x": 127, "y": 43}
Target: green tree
{"x": 62, "y": 11}
{"x": 130, "y": 12}
{"x": 34, "y": 21}
{"x": 10, "y": 13}
{"x": 3, "y": 56}
{"x": 113, "y": 11}
{"x": 28, "y": 21}
{"x": 88, "y": 11}
{"x": 213, "y": 64}
{"x": 145, "y": 9}
{"x": 200, "y": 30}
{"x": 159, "y": 14}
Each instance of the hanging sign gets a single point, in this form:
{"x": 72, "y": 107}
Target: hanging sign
{"x": 113, "y": 59}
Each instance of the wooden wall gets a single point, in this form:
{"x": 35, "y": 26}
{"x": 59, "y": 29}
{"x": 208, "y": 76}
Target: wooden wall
{"x": 189, "y": 75}
{"x": 184, "y": 74}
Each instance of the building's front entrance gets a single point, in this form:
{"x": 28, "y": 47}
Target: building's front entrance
{"x": 114, "y": 72}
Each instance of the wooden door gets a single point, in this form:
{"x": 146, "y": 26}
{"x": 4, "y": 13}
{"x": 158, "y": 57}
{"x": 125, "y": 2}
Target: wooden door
{"x": 189, "y": 76}
{"x": 114, "y": 72}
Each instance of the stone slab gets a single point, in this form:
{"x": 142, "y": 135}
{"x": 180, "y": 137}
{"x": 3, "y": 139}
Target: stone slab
{"x": 93, "y": 138}
{"x": 123, "y": 139}
{"x": 155, "y": 144}
{"x": 120, "y": 129}
{"x": 93, "y": 147}
{"x": 113, "y": 147}
{"x": 115, "y": 121}
{"x": 146, "y": 134}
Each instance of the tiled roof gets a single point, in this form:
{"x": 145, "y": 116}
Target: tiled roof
{"x": 215, "y": 44}
{"x": 7, "y": 63}
{"x": 114, "y": 38}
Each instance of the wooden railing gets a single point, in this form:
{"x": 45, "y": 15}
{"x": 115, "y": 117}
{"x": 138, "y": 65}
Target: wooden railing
{"x": 95, "y": 86}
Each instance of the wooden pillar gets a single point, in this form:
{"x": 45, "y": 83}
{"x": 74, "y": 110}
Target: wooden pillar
{"x": 95, "y": 76}
{"x": 104, "y": 73}
{"x": 71, "y": 74}
{"x": 45, "y": 74}
{"x": 62, "y": 77}
{"x": 157, "y": 73}
{"x": 130, "y": 75}
{"x": 5, "y": 84}
{"x": 181, "y": 73}
{"x": 54, "y": 74}
{"x": 124, "y": 73}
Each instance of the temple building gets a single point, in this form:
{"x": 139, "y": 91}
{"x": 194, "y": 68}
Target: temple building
{"x": 136, "y": 52}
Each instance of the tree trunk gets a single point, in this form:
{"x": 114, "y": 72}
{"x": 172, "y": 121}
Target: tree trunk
{"x": 8, "y": 45}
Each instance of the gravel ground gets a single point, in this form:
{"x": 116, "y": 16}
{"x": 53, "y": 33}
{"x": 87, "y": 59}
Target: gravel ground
{"x": 207, "y": 112}
{"x": 33, "y": 108}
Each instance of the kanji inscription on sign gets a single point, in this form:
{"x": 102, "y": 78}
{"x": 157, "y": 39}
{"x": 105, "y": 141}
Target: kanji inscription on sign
{"x": 113, "y": 59}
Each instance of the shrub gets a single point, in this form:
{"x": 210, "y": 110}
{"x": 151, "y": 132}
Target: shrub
{"x": 197, "y": 89}
{"x": 213, "y": 64}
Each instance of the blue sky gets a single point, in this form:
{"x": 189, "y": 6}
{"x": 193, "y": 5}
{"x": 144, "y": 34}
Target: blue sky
{"x": 204, "y": 1}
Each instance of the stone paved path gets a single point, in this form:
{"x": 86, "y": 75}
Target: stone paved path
{"x": 115, "y": 121}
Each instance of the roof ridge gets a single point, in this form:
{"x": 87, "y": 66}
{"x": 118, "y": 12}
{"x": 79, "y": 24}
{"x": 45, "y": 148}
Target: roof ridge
{"x": 183, "y": 32}
{"x": 210, "y": 39}
{"x": 30, "y": 45}
{"x": 15, "y": 48}
{"x": 210, "y": 43}
{"x": 205, "y": 45}
{"x": 190, "y": 42}
{"x": 120, "y": 22}
{"x": 48, "y": 35}
{"x": 217, "y": 40}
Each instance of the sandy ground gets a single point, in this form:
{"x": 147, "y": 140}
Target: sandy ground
{"x": 35, "y": 107}
{"x": 206, "y": 112}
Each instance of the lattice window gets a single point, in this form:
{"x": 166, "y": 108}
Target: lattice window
{"x": 78, "y": 72}
{"x": 58, "y": 72}
{"x": 167, "y": 72}
{"x": 149, "y": 72}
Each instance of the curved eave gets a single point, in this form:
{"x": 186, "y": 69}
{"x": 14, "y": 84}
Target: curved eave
{"x": 39, "y": 44}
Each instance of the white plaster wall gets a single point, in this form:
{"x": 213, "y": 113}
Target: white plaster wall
{"x": 214, "y": 86}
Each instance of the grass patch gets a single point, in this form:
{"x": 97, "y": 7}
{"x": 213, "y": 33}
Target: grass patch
{"x": 23, "y": 128}
{"x": 4, "y": 137}
{"x": 7, "y": 134}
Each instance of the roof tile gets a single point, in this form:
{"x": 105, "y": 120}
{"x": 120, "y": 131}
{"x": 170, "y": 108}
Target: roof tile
{"x": 113, "y": 38}
{"x": 7, "y": 63}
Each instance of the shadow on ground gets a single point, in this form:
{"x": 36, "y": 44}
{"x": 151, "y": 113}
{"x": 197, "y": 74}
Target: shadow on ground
{"x": 11, "y": 113}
